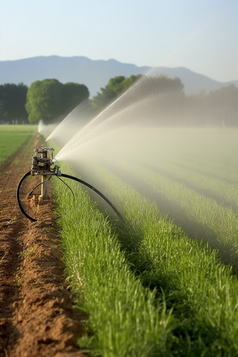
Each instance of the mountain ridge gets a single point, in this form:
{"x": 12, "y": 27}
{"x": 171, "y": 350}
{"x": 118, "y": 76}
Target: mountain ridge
{"x": 95, "y": 74}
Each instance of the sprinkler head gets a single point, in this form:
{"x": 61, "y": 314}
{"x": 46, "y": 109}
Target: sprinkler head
{"x": 42, "y": 161}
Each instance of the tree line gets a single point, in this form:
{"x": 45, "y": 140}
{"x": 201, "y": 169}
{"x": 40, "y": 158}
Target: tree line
{"x": 161, "y": 100}
{"x": 48, "y": 100}
{"x": 12, "y": 103}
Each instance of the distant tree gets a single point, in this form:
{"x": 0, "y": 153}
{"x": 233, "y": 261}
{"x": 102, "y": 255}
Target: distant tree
{"x": 154, "y": 85}
{"x": 222, "y": 105}
{"x": 115, "y": 87}
{"x": 12, "y": 103}
{"x": 217, "y": 108}
{"x": 73, "y": 94}
{"x": 50, "y": 100}
{"x": 129, "y": 81}
{"x": 44, "y": 100}
{"x": 161, "y": 100}
{"x": 107, "y": 94}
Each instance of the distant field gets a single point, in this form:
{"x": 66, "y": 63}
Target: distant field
{"x": 12, "y": 137}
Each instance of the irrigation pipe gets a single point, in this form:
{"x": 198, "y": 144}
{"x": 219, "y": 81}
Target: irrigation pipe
{"x": 71, "y": 178}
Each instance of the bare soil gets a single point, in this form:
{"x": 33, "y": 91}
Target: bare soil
{"x": 37, "y": 317}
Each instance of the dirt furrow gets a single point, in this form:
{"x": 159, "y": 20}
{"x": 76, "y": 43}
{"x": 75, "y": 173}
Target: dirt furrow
{"x": 37, "y": 317}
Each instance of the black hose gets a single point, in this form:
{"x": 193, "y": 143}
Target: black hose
{"x": 66, "y": 176}
{"x": 39, "y": 184}
{"x": 95, "y": 190}
{"x": 18, "y": 197}
{"x": 67, "y": 186}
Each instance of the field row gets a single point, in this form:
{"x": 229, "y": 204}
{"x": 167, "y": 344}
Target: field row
{"x": 147, "y": 287}
{"x": 193, "y": 295}
{"x": 12, "y": 137}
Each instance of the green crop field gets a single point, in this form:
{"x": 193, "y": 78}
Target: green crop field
{"x": 164, "y": 281}
{"x": 12, "y": 137}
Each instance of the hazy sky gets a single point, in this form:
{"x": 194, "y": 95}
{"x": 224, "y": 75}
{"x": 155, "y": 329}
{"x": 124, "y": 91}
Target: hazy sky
{"x": 201, "y": 35}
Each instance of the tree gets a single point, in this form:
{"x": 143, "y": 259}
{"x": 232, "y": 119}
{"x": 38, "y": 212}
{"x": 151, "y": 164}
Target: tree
{"x": 115, "y": 87}
{"x": 73, "y": 95}
{"x": 219, "y": 107}
{"x": 154, "y": 85}
{"x": 160, "y": 100}
{"x": 223, "y": 105}
{"x": 50, "y": 100}
{"x": 44, "y": 100}
{"x": 12, "y": 103}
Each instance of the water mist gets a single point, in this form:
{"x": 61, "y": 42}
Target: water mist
{"x": 149, "y": 128}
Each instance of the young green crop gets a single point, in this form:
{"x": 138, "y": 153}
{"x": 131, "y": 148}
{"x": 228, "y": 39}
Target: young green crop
{"x": 107, "y": 276}
{"x": 125, "y": 318}
{"x": 12, "y": 137}
{"x": 201, "y": 290}
{"x": 218, "y": 219}
{"x": 222, "y": 220}
{"x": 214, "y": 187}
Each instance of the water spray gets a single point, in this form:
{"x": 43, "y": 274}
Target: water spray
{"x": 42, "y": 164}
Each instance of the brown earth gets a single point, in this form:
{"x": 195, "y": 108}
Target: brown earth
{"x": 37, "y": 317}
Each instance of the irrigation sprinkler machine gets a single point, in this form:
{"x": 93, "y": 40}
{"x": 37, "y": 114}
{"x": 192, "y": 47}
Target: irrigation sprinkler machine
{"x": 42, "y": 164}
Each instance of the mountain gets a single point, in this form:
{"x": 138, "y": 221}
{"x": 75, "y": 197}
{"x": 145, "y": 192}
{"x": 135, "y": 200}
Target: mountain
{"x": 95, "y": 74}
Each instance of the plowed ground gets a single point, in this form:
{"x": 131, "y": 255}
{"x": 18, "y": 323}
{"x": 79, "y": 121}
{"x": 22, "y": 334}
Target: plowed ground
{"x": 37, "y": 317}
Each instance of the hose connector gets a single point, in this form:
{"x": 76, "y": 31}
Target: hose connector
{"x": 57, "y": 171}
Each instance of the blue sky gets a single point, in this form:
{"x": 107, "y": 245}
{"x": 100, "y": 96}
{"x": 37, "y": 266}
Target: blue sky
{"x": 201, "y": 35}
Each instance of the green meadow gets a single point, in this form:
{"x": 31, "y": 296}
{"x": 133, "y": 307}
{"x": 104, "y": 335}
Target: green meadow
{"x": 12, "y": 137}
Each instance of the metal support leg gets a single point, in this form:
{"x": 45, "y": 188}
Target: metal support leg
{"x": 44, "y": 188}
